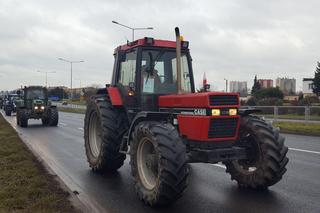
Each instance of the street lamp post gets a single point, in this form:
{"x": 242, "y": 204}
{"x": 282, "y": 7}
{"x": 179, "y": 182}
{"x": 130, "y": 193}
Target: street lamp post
{"x": 79, "y": 82}
{"x": 133, "y": 28}
{"x": 71, "y": 62}
{"x": 46, "y": 73}
{"x": 226, "y": 84}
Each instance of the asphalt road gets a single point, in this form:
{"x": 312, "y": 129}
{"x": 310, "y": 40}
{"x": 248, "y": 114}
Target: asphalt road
{"x": 210, "y": 188}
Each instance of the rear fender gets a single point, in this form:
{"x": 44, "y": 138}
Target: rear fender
{"x": 244, "y": 112}
{"x": 115, "y": 96}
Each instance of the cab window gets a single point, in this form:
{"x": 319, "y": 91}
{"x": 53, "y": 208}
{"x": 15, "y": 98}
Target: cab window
{"x": 128, "y": 69}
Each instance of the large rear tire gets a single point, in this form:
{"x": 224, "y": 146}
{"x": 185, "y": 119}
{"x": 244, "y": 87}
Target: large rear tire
{"x": 104, "y": 127}
{"x": 53, "y": 117}
{"x": 158, "y": 163}
{"x": 267, "y": 163}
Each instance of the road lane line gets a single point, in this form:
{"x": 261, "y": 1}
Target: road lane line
{"x": 62, "y": 124}
{"x": 219, "y": 165}
{"x": 303, "y": 150}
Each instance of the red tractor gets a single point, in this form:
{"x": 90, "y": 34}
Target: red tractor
{"x": 152, "y": 112}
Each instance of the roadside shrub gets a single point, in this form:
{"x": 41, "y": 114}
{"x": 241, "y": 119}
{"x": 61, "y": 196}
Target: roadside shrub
{"x": 273, "y": 92}
{"x": 252, "y": 101}
{"x": 270, "y": 102}
{"x": 309, "y": 100}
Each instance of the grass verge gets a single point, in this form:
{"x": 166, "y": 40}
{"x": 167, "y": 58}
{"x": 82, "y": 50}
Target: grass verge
{"x": 25, "y": 185}
{"x": 299, "y": 128}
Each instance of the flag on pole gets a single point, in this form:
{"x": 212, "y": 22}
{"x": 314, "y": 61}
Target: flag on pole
{"x": 204, "y": 82}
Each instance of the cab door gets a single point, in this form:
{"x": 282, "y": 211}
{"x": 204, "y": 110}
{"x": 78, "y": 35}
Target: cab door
{"x": 126, "y": 79}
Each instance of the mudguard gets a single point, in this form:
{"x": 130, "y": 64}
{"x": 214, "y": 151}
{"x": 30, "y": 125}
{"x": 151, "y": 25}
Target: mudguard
{"x": 145, "y": 116}
{"x": 115, "y": 96}
{"x": 248, "y": 111}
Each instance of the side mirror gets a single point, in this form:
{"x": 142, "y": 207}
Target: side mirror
{"x": 131, "y": 89}
{"x": 207, "y": 87}
{"x": 132, "y": 86}
{"x": 150, "y": 64}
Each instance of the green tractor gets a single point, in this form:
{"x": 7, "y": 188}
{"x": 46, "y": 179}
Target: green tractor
{"x": 34, "y": 104}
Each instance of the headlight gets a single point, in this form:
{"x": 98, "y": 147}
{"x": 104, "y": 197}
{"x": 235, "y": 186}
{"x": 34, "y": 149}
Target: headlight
{"x": 232, "y": 111}
{"x": 215, "y": 112}
{"x": 36, "y": 107}
{"x": 42, "y": 107}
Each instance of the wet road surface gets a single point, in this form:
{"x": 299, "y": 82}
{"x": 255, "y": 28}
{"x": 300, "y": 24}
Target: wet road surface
{"x": 210, "y": 188}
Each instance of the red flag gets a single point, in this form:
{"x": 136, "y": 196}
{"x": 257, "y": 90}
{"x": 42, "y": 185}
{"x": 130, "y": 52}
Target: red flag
{"x": 204, "y": 82}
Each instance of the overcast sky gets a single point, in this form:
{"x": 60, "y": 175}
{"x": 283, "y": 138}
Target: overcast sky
{"x": 232, "y": 39}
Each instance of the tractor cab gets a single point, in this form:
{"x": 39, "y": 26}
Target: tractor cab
{"x": 148, "y": 80}
{"x": 146, "y": 69}
{"x": 35, "y": 96}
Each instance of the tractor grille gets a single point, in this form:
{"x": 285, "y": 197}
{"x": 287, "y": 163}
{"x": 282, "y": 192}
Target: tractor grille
{"x": 218, "y": 100}
{"x": 222, "y": 127}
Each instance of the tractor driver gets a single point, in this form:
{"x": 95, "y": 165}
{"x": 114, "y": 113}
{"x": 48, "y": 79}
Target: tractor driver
{"x": 150, "y": 81}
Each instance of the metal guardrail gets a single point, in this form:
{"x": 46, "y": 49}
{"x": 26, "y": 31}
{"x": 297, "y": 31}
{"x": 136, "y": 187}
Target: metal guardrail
{"x": 70, "y": 106}
{"x": 274, "y": 113}
{"x": 297, "y": 113}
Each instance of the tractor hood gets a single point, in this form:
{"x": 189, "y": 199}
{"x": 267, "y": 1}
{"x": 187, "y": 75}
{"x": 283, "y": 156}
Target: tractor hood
{"x": 203, "y": 100}
{"x": 37, "y": 102}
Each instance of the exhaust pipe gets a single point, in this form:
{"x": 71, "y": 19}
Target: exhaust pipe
{"x": 178, "y": 60}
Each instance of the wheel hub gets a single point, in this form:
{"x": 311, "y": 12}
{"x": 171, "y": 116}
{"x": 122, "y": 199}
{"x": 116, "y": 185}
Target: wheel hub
{"x": 95, "y": 133}
{"x": 251, "y": 164}
{"x": 147, "y": 161}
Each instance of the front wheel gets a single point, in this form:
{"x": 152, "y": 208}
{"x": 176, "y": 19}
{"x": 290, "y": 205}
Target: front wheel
{"x": 18, "y": 118}
{"x": 267, "y": 155}
{"x": 158, "y": 163}
{"x": 53, "y": 117}
{"x": 23, "y": 118}
{"x": 8, "y": 112}
{"x": 45, "y": 121}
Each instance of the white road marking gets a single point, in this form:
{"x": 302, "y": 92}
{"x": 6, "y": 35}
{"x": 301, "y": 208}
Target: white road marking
{"x": 62, "y": 124}
{"x": 80, "y": 128}
{"x": 219, "y": 165}
{"x": 303, "y": 150}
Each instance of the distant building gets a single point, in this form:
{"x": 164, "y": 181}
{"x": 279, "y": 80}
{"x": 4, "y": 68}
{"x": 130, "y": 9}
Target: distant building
{"x": 307, "y": 84}
{"x": 240, "y": 87}
{"x": 266, "y": 83}
{"x": 286, "y": 85}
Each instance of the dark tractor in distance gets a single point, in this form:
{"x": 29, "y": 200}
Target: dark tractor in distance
{"x": 151, "y": 112}
{"x": 1, "y": 102}
{"x": 34, "y": 104}
{"x": 9, "y": 103}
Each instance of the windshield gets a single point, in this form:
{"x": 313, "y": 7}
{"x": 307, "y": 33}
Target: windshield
{"x": 35, "y": 94}
{"x": 159, "y": 72}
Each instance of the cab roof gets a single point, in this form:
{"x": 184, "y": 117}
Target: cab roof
{"x": 147, "y": 41}
{"x": 34, "y": 86}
